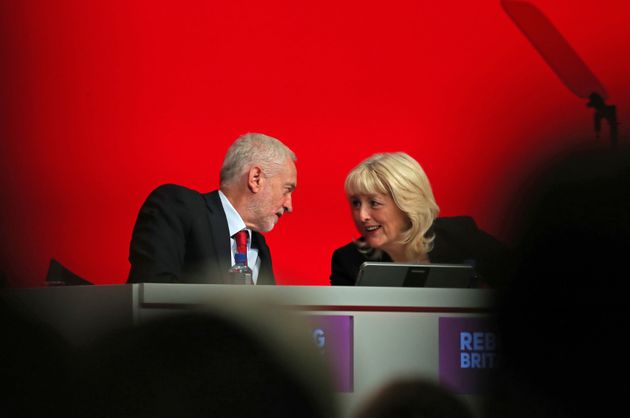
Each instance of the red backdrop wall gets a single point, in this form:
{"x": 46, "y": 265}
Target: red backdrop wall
{"x": 101, "y": 101}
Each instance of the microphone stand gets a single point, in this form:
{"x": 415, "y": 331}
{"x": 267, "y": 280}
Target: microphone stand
{"x": 606, "y": 112}
{"x": 564, "y": 61}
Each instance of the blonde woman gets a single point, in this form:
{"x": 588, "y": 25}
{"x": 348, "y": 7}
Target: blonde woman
{"x": 395, "y": 213}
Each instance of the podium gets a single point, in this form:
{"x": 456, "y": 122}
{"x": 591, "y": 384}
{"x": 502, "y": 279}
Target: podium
{"x": 370, "y": 335}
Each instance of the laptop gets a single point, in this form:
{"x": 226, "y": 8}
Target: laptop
{"x": 372, "y": 273}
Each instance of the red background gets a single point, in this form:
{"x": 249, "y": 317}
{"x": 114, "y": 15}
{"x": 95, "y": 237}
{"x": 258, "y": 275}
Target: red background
{"x": 102, "y": 101}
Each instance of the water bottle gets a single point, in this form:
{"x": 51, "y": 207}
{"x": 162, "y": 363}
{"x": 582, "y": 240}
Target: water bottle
{"x": 240, "y": 273}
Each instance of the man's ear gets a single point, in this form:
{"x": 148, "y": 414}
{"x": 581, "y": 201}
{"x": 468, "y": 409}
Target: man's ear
{"x": 255, "y": 179}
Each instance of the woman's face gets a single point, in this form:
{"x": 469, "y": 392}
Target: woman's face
{"x": 378, "y": 219}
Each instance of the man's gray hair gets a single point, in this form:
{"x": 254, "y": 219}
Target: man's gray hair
{"x": 254, "y": 149}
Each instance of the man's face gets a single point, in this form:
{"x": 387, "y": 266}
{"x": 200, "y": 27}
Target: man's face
{"x": 274, "y": 199}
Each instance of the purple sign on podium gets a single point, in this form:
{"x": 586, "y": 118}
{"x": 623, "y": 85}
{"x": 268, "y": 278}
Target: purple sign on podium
{"x": 468, "y": 353}
{"x": 333, "y": 335}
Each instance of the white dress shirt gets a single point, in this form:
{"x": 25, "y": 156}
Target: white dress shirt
{"x": 235, "y": 224}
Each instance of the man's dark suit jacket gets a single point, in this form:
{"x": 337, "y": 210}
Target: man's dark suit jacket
{"x": 458, "y": 240}
{"x": 182, "y": 236}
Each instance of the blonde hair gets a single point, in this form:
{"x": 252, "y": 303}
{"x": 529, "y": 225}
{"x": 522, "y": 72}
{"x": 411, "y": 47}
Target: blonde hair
{"x": 400, "y": 176}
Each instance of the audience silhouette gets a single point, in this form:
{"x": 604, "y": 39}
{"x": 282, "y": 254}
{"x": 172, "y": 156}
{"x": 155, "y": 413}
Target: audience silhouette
{"x": 203, "y": 364}
{"x": 35, "y": 367}
{"x": 563, "y": 317}
{"x": 414, "y": 398}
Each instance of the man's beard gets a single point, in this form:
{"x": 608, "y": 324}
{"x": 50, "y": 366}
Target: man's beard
{"x": 258, "y": 208}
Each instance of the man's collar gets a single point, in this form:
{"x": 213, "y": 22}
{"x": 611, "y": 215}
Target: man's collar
{"x": 234, "y": 220}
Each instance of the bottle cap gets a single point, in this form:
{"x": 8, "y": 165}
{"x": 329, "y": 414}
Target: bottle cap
{"x": 240, "y": 258}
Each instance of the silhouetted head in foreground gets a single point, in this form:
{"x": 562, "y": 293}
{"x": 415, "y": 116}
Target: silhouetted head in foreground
{"x": 35, "y": 367}
{"x": 414, "y": 398}
{"x": 200, "y": 365}
{"x": 563, "y": 320}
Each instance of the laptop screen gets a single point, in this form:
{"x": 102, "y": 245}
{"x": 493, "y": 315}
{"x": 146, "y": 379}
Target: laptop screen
{"x": 415, "y": 275}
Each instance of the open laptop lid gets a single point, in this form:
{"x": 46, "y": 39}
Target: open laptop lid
{"x": 415, "y": 275}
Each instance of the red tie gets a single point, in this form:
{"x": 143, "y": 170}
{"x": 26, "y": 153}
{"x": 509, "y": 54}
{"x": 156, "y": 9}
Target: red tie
{"x": 241, "y": 241}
